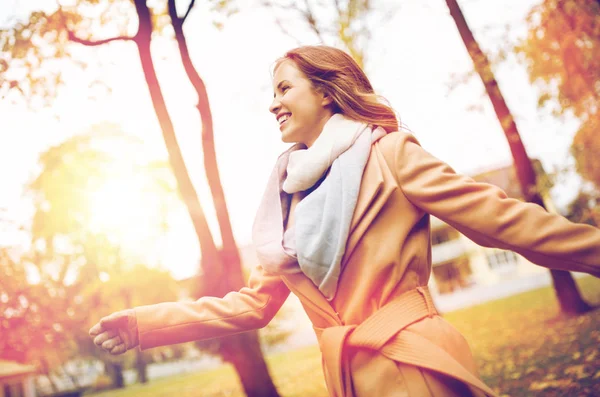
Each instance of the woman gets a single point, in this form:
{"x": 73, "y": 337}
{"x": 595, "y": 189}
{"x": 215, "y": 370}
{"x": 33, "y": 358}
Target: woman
{"x": 344, "y": 225}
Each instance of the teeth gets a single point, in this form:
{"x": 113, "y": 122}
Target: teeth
{"x": 283, "y": 118}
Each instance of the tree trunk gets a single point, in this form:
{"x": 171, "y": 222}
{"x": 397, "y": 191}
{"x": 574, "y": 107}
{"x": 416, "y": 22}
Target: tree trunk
{"x": 242, "y": 350}
{"x": 141, "y": 366}
{"x": 210, "y": 254}
{"x": 115, "y": 372}
{"x": 567, "y": 293}
{"x": 565, "y": 288}
{"x": 229, "y": 253}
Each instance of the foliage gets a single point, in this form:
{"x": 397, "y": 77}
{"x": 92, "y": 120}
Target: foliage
{"x": 39, "y": 55}
{"x": 523, "y": 348}
{"x": 93, "y": 192}
{"x": 562, "y": 52}
{"x": 97, "y": 178}
{"x": 33, "y": 316}
{"x": 585, "y": 208}
{"x": 586, "y": 149}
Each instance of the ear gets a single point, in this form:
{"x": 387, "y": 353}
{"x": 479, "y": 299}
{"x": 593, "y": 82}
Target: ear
{"x": 327, "y": 99}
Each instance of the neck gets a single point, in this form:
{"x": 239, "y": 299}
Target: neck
{"x": 319, "y": 128}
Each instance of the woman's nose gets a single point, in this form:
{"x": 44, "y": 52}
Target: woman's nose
{"x": 275, "y": 106}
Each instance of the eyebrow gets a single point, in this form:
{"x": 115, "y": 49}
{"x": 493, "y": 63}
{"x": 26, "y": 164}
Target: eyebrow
{"x": 280, "y": 84}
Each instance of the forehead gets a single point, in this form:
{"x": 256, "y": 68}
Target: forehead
{"x": 287, "y": 70}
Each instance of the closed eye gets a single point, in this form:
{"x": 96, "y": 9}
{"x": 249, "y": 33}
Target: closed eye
{"x": 282, "y": 87}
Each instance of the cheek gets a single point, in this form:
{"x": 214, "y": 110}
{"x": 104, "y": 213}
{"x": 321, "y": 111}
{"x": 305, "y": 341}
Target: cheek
{"x": 289, "y": 102}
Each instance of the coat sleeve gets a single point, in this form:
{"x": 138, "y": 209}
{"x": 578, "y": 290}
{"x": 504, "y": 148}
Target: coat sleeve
{"x": 485, "y": 214}
{"x": 209, "y": 317}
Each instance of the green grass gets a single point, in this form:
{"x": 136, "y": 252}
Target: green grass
{"x": 521, "y": 346}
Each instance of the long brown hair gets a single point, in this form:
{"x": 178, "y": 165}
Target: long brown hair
{"x": 334, "y": 72}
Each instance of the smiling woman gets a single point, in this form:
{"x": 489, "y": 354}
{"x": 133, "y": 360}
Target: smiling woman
{"x": 345, "y": 225}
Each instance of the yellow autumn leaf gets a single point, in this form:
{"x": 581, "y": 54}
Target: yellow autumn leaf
{"x": 577, "y": 370}
{"x": 552, "y": 383}
{"x": 591, "y": 356}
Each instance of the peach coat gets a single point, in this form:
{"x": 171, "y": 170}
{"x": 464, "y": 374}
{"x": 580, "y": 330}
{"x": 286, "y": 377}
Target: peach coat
{"x": 380, "y": 335}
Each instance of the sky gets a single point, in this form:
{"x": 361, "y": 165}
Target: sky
{"x": 411, "y": 60}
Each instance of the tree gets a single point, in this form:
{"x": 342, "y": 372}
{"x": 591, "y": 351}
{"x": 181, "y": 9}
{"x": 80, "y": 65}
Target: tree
{"x": 80, "y": 234}
{"x": 221, "y": 269}
{"x": 562, "y": 54}
{"x": 31, "y": 328}
{"x": 566, "y": 290}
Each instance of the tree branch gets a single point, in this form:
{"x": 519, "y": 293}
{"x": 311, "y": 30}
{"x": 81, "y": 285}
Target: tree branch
{"x": 309, "y": 16}
{"x": 287, "y": 32}
{"x": 92, "y": 43}
{"x": 188, "y": 11}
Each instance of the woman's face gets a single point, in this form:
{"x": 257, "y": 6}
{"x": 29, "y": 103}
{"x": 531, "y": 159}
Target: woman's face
{"x": 300, "y": 110}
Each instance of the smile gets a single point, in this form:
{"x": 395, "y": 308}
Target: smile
{"x": 283, "y": 118}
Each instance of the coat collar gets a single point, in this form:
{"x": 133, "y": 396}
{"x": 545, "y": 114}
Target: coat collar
{"x": 377, "y": 185}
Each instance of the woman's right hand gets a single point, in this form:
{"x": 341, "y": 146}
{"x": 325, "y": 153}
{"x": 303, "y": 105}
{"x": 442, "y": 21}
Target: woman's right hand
{"x": 117, "y": 332}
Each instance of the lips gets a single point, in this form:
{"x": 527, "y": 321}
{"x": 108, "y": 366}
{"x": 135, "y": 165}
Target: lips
{"x": 283, "y": 117}
{"x": 283, "y": 120}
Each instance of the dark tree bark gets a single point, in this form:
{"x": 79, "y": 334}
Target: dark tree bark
{"x": 141, "y": 367}
{"x": 115, "y": 372}
{"x": 568, "y": 295}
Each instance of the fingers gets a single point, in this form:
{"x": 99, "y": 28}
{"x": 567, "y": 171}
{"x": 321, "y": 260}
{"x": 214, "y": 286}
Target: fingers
{"x": 109, "y": 344}
{"x": 95, "y": 330}
{"x": 104, "y": 336}
{"x": 114, "y": 346}
{"x": 119, "y": 349}
{"x": 116, "y": 333}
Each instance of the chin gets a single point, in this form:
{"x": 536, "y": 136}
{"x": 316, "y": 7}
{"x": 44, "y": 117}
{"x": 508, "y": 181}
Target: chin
{"x": 288, "y": 138}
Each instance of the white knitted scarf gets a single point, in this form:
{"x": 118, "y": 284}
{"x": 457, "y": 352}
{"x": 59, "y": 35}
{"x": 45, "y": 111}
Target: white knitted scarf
{"x": 316, "y": 243}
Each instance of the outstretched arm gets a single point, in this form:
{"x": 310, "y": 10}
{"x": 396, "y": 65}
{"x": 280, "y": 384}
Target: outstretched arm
{"x": 176, "y": 322}
{"x": 485, "y": 214}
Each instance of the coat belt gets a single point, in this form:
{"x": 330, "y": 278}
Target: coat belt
{"x": 382, "y": 332}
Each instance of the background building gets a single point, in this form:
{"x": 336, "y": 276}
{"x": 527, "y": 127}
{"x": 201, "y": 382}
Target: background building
{"x": 464, "y": 273}
{"x": 16, "y": 380}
